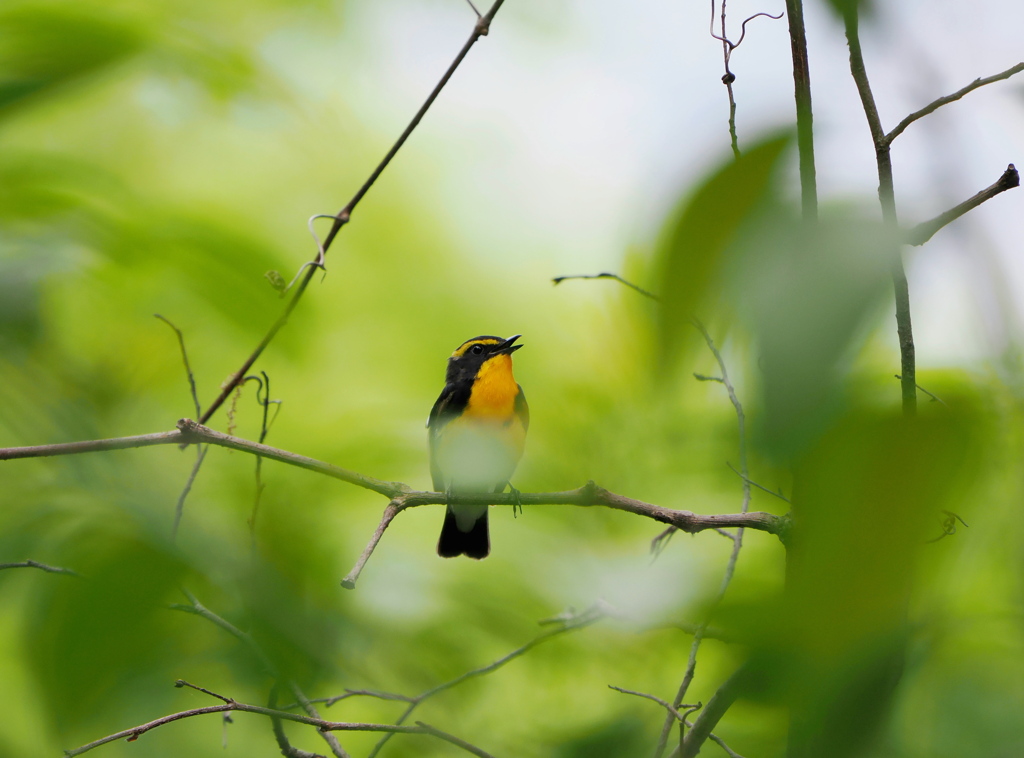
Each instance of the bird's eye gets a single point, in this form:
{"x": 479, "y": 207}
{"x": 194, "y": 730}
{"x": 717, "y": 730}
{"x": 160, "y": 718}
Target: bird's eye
{"x": 477, "y": 349}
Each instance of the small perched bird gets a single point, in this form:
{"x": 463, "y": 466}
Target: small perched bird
{"x": 477, "y": 431}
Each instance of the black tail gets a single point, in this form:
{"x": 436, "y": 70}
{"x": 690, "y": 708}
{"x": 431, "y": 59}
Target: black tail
{"x": 476, "y": 543}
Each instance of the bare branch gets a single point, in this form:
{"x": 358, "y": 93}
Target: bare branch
{"x": 712, "y": 713}
{"x": 402, "y": 497}
{"x": 91, "y": 446}
{"x": 310, "y": 709}
{"x": 232, "y": 706}
{"x": 37, "y": 565}
{"x": 568, "y": 623}
{"x": 184, "y": 358}
{"x": 730, "y": 567}
{"x": 180, "y": 505}
{"x": 761, "y": 487}
{"x": 938, "y": 103}
{"x": 606, "y": 275}
{"x": 588, "y": 495}
{"x": 287, "y": 749}
{"x": 923, "y": 232}
{"x": 480, "y": 29}
{"x": 182, "y": 683}
{"x": 198, "y": 609}
{"x": 887, "y": 200}
{"x": 664, "y": 704}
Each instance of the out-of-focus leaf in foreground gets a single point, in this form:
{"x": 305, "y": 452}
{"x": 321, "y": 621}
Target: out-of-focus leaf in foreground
{"x": 46, "y": 46}
{"x": 868, "y": 495}
{"x": 808, "y": 292}
{"x": 699, "y": 234}
{"x": 88, "y": 638}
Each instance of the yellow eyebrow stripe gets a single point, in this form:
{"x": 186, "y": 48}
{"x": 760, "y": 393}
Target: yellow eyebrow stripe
{"x": 461, "y": 350}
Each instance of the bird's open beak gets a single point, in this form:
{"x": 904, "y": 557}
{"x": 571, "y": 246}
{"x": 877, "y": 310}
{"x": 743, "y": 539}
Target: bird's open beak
{"x": 507, "y": 346}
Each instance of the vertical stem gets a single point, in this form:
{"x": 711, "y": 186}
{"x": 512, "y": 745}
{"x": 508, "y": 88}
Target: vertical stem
{"x": 804, "y": 116}
{"x": 887, "y": 199}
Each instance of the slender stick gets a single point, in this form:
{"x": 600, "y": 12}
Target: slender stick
{"x": 804, "y": 112}
{"x": 480, "y": 29}
{"x": 40, "y": 566}
{"x": 924, "y": 231}
{"x": 586, "y": 618}
{"x": 887, "y": 198}
{"x": 327, "y": 726}
{"x": 710, "y": 715}
{"x": 730, "y": 567}
{"x": 939, "y": 102}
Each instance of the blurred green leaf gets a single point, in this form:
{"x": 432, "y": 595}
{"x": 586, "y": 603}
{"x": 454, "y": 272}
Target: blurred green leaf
{"x": 625, "y": 736}
{"x": 699, "y": 234}
{"x": 867, "y": 498}
{"x": 91, "y": 637}
{"x": 807, "y": 292}
{"x": 46, "y": 46}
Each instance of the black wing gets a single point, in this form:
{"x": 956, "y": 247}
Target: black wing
{"x": 522, "y": 408}
{"x": 450, "y": 404}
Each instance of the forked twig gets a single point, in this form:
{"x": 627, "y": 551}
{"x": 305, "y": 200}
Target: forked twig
{"x": 480, "y": 29}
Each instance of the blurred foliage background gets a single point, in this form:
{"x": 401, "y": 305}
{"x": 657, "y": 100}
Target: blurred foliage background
{"x": 159, "y": 158}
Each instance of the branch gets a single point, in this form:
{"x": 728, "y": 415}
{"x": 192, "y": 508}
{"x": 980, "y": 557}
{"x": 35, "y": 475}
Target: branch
{"x": 887, "y": 199}
{"x": 679, "y": 717}
{"x": 804, "y": 112}
{"x": 41, "y": 566}
{"x": 343, "y": 216}
{"x": 568, "y": 623}
{"x": 91, "y": 446}
{"x": 936, "y": 104}
{"x": 588, "y": 495}
{"x": 606, "y": 275}
{"x": 730, "y": 567}
{"x": 287, "y": 749}
{"x": 926, "y": 230}
{"x": 325, "y": 726}
{"x": 402, "y": 496}
{"x": 712, "y": 713}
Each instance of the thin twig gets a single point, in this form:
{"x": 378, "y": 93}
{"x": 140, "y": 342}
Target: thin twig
{"x": 761, "y": 487}
{"x": 924, "y": 231}
{"x": 681, "y": 717}
{"x": 887, "y": 199}
{"x": 198, "y": 609}
{"x": 730, "y": 567}
{"x": 182, "y": 683}
{"x": 180, "y": 505}
{"x": 40, "y": 566}
{"x": 939, "y": 102}
{"x": 310, "y": 709}
{"x": 710, "y": 715}
{"x": 480, "y": 29}
{"x": 184, "y": 358}
{"x": 606, "y": 275}
{"x": 287, "y": 749}
{"x": 728, "y": 78}
{"x": 949, "y": 525}
{"x": 568, "y": 624}
{"x": 935, "y": 398}
{"x": 233, "y": 706}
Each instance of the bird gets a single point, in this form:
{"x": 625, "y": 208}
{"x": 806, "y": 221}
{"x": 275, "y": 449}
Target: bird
{"x": 477, "y": 433}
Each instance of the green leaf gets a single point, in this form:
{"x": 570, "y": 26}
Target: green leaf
{"x": 45, "y": 47}
{"x": 701, "y": 232}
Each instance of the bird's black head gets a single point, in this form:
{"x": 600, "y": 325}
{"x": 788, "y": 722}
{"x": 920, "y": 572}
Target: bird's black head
{"x": 467, "y": 359}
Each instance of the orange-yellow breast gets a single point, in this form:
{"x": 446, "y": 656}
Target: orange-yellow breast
{"x": 494, "y": 391}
